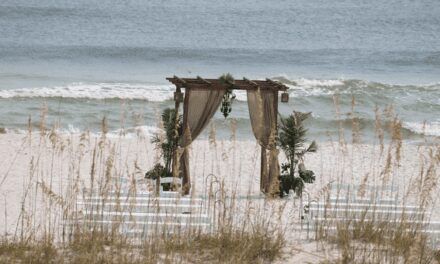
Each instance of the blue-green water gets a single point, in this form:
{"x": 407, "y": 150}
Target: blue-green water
{"x": 87, "y": 59}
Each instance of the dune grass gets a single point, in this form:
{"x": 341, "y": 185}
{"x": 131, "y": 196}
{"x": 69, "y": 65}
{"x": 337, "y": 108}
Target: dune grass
{"x": 242, "y": 231}
{"x": 50, "y": 227}
{"x": 368, "y": 236}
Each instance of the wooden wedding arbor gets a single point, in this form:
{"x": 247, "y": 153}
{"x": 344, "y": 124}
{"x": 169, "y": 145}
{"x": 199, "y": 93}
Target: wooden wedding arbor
{"x": 202, "y": 99}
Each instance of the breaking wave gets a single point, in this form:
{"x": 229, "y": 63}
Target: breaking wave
{"x": 425, "y": 128}
{"x": 413, "y": 103}
{"x": 162, "y": 92}
{"x": 98, "y": 91}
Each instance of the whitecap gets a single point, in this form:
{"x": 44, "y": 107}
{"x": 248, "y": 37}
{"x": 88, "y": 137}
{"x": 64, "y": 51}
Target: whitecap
{"x": 309, "y": 83}
{"x": 427, "y": 128}
{"x": 98, "y": 91}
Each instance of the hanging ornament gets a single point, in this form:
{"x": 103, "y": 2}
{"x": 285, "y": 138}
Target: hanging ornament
{"x": 229, "y": 96}
{"x": 226, "y": 107}
{"x": 285, "y": 97}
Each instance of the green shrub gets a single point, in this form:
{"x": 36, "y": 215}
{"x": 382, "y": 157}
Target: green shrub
{"x": 292, "y": 140}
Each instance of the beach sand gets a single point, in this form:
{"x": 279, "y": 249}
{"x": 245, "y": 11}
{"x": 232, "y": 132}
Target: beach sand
{"x": 59, "y": 159}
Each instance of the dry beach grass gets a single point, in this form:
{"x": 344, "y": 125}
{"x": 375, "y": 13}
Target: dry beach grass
{"x": 44, "y": 172}
{"x": 48, "y": 200}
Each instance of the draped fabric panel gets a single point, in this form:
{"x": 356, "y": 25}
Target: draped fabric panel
{"x": 263, "y": 114}
{"x": 199, "y": 107}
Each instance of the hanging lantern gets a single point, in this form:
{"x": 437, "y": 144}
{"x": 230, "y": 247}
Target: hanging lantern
{"x": 285, "y": 97}
{"x": 178, "y": 96}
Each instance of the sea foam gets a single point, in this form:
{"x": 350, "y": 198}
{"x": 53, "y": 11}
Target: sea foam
{"x": 427, "y": 128}
{"x": 155, "y": 93}
{"x": 300, "y": 87}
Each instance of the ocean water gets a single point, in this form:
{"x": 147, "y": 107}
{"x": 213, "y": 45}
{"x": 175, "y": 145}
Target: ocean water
{"x": 83, "y": 60}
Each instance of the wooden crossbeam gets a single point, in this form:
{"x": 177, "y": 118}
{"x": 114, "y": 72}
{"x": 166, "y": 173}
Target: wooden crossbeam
{"x": 203, "y": 80}
{"x": 274, "y": 83}
{"x": 251, "y": 82}
{"x": 244, "y": 84}
{"x": 180, "y": 80}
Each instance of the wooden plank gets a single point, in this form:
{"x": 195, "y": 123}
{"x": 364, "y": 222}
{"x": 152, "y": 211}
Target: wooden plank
{"x": 180, "y": 80}
{"x": 251, "y": 82}
{"x": 203, "y": 80}
{"x": 198, "y": 86}
{"x": 277, "y": 84}
{"x": 200, "y": 83}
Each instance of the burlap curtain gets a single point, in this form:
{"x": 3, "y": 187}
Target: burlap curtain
{"x": 263, "y": 114}
{"x": 199, "y": 107}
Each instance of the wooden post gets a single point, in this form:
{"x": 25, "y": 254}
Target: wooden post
{"x": 274, "y": 182}
{"x": 175, "y": 168}
{"x": 176, "y": 108}
{"x": 186, "y": 180}
{"x": 263, "y": 171}
{"x": 157, "y": 186}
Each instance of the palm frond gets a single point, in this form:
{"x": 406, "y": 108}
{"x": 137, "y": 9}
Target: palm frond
{"x": 169, "y": 142}
{"x": 313, "y": 147}
{"x": 292, "y": 140}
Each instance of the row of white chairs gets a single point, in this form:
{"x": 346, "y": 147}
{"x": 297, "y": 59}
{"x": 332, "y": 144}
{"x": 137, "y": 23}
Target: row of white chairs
{"x": 337, "y": 210}
{"x": 139, "y": 214}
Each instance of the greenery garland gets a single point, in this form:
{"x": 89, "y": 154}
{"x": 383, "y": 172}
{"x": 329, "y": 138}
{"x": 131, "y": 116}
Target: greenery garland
{"x": 229, "y": 96}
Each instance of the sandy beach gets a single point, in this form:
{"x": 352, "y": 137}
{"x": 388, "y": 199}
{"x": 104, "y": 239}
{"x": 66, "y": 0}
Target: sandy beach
{"x": 101, "y": 102}
{"x": 58, "y": 160}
